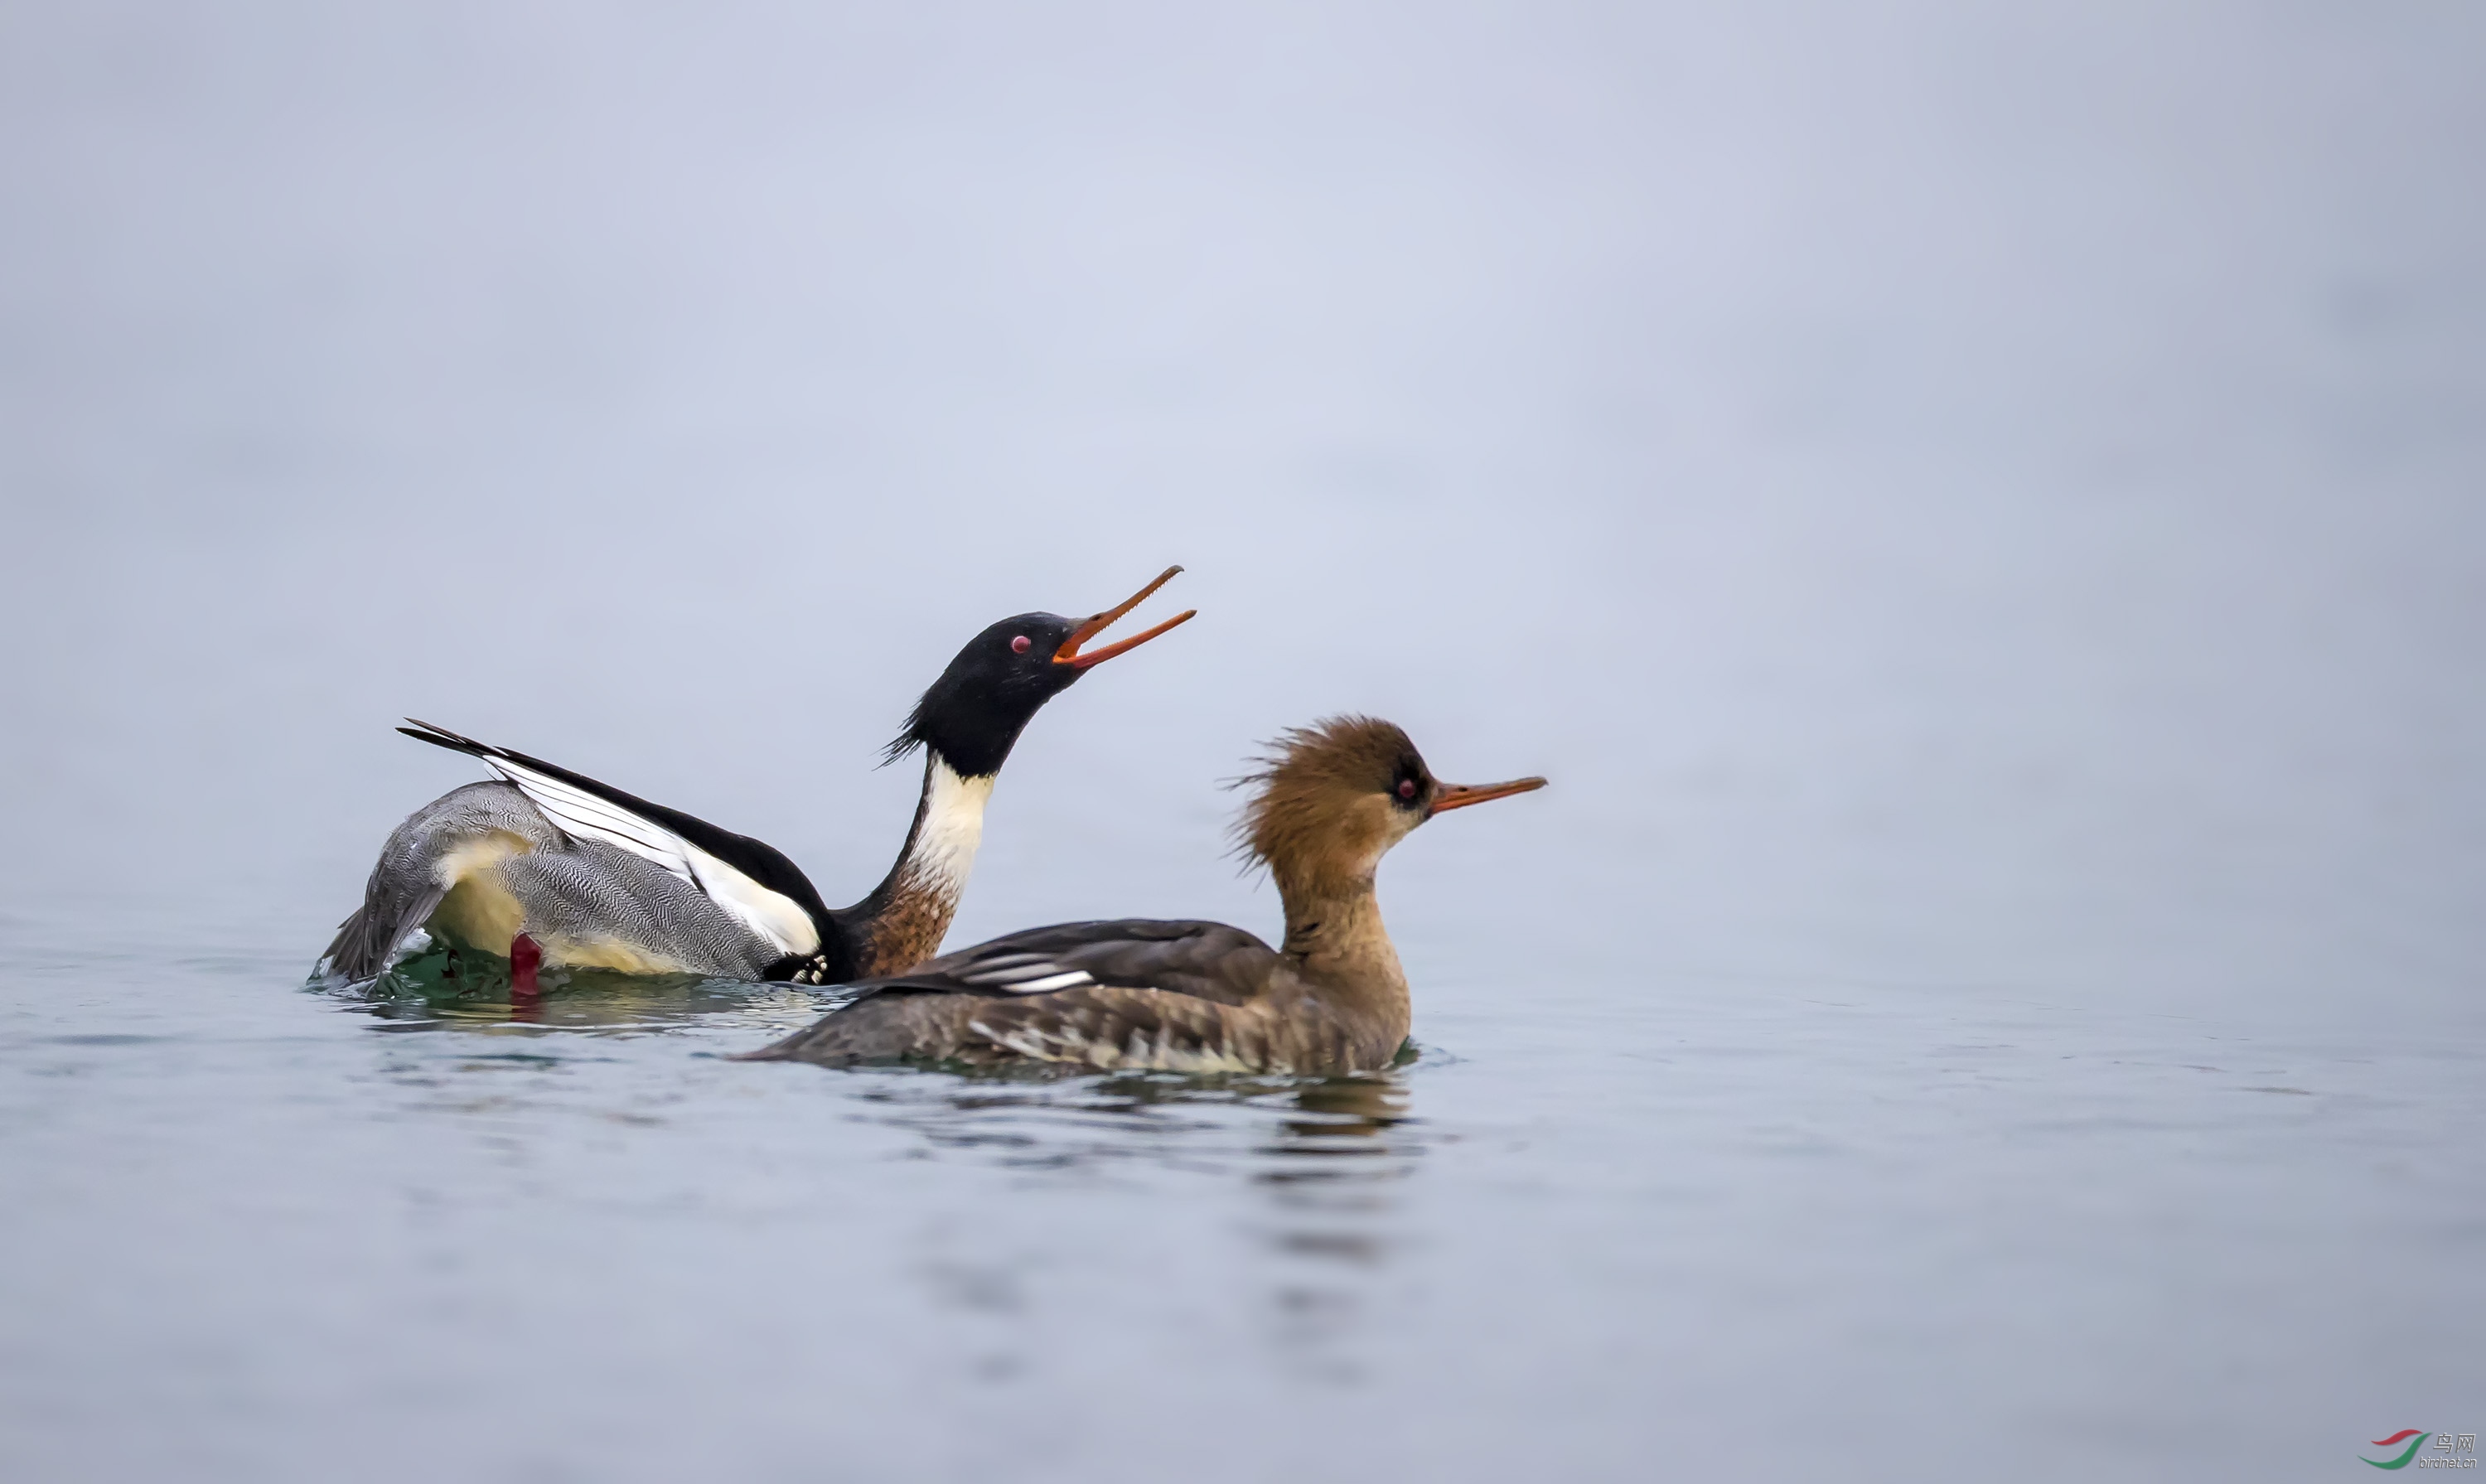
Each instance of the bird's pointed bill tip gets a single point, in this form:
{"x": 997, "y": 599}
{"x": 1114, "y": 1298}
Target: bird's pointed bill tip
{"x": 1069, "y": 653}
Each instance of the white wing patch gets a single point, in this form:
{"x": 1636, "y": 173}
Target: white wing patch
{"x": 773, "y": 915}
{"x": 1054, "y": 981}
{"x": 1023, "y": 973}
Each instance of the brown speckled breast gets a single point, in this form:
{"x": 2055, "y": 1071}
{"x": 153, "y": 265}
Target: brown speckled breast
{"x": 908, "y": 932}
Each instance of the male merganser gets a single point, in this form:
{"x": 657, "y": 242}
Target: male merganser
{"x": 1194, "y": 997}
{"x": 574, "y": 873}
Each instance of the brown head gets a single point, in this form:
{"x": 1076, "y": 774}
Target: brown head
{"x": 1332, "y": 798}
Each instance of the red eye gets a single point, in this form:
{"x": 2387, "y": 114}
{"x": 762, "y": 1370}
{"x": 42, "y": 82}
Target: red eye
{"x": 1406, "y": 788}
{"x": 1019, "y": 646}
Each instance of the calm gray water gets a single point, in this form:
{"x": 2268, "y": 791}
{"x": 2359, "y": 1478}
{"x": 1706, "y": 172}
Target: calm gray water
{"x": 1979, "y": 511}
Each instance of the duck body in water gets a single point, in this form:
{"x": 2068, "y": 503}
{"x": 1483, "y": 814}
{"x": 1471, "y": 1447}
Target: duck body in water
{"x": 1194, "y": 997}
{"x": 590, "y": 876}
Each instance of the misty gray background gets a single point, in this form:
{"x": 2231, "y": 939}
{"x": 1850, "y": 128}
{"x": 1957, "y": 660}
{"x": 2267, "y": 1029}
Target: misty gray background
{"x": 1972, "y": 506}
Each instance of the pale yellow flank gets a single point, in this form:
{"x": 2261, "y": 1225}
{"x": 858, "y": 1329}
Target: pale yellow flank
{"x": 613, "y": 954}
{"x": 480, "y": 911}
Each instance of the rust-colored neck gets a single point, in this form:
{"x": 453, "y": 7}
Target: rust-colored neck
{"x": 902, "y": 921}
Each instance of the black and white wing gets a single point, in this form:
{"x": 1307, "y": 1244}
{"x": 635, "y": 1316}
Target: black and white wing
{"x": 746, "y": 877}
{"x": 1207, "y": 961}
{"x": 1174, "y": 996}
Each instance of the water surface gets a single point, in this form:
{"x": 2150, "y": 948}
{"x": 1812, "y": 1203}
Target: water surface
{"x": 1978, "y": 513}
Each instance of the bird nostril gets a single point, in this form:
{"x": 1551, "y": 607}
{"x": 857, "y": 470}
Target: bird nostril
{"x": 1020, "y": 645}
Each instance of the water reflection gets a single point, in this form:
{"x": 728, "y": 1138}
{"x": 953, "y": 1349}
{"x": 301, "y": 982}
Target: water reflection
{"x": 1324, "y": 1161}
{"x": 1059, "y": 1117}
{"x": 1319, "y": 1166}
{"x": 440, "y": 990}
{"x": 1333, "y": 1176}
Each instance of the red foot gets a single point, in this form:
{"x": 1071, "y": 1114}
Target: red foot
{"x": 525, "y": 958}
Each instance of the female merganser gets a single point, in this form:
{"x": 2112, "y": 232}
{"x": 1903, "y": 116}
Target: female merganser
{"x": 1194, "y": 997}
{"x": 574, "y": 873}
